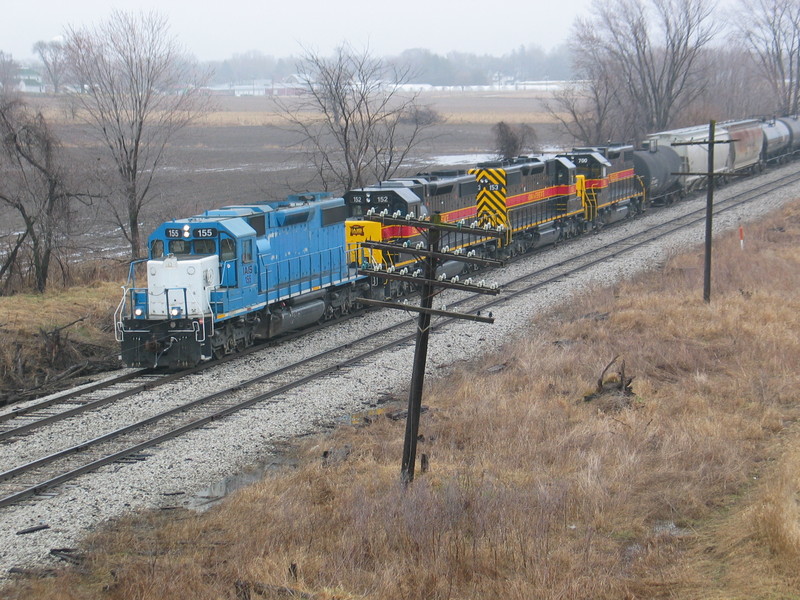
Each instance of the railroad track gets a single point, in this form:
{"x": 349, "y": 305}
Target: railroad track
{"x": 130, "y": 442}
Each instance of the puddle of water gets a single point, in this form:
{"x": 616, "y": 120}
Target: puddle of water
{"x": 216, "y": 492}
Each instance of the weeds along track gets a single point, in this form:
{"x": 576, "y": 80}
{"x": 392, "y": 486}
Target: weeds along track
{"x": 32, "y": 476}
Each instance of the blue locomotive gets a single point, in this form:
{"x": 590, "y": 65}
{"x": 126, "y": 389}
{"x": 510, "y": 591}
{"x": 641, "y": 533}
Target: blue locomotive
{"x": 220, "y": 280}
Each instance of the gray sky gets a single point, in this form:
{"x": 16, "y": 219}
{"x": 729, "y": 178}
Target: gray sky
{"x": 217, "y": 29}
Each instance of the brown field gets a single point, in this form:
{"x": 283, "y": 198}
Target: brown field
{"x": 537, "y": 488}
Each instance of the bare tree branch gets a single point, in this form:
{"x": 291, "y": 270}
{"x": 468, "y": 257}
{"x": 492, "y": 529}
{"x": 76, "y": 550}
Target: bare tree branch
{"x": 770, "y": 30}
{"x": 136, "y": 89}
{"x": 356, "y": 121}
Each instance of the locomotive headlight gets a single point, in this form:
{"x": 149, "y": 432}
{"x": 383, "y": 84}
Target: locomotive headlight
{"x": 175, "y": 311}
{"x": 186, "y": 228}
{"x": 138, "y": 312}
{"x": 186, "y": 234}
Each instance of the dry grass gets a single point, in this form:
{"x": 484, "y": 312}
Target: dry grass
{"x": 687, "y": 490}
{"x": 48, "y": 335}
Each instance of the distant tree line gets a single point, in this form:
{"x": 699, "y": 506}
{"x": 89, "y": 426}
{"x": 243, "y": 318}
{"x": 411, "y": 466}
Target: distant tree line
{"x": 421, "y": 66}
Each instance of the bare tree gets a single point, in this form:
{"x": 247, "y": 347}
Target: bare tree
{"x": 54, "y": 60}
{"x": 654, "y": 48}
{"x": 588, "y": 108}
{"x": 9, "y": 73}
{"x": 356, "y": 122}
{"x": 733, "y": 88}
{"x": 136, "y": 91}
{"x": 770, "y": 30}
{"x": 34, "y": 186}
{"x": 511, "y": 140}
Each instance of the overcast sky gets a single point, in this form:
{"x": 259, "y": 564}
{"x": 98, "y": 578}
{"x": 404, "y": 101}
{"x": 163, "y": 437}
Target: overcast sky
{"x": 218, "y": 29}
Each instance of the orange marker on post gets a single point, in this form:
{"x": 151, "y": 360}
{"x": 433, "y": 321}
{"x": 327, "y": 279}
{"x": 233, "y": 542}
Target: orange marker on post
{"x": 741, "y": 237}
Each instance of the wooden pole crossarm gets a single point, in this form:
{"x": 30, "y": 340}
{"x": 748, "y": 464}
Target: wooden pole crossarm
{"x": 703, "y": 142}
{"x": 732, "y": 174}
{"x": 430, "y": 311}
{"x": 435, "y": 282}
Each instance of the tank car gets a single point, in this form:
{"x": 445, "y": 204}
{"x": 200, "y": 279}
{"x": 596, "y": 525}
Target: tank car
{"x": 777, "y": 141}
{"x": 793, "y": 123}
{"x": 220, "y": 280}
{"x": 657, "y": 167}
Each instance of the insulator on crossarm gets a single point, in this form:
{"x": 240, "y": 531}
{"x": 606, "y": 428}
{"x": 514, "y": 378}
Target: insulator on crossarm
{"x": 494, "y": 285}
{"x": 468, "y": 281}
{"x": 419, "y": 246}
{"x": 370, "y": 212}
{"x": 471, "y": 253}
{"x": 417, "y": 273}
{"x": 396, "y": 214}
{"x": 481, "y": 283}
{"x": 390, "y": 269}
{"x": 474, "y": 224}
{"x": 446, "y": 249}
{"x": 384, "y": 212}
{"x": 442, "y": 277}
{"x": 454, "y": 279}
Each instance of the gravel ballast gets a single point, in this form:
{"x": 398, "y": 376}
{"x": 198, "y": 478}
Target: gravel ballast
{"x": 178, "y": 471}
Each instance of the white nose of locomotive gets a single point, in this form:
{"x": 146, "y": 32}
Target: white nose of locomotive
{"x": 181, "y": 287}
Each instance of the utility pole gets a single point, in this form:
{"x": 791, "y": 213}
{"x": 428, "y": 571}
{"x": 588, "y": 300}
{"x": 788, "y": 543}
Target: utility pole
{"x": 430, "y": 285}
{"x": 709, "y": 212}
{"x": 711, "y": 142}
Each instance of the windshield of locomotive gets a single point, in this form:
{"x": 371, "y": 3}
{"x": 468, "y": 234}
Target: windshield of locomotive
{"x": 358, "y": 204}
{"x": 183, "y": 247}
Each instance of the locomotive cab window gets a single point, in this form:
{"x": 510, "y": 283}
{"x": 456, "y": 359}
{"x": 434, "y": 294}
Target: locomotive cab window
{"x": 247, "y": 251}
{"x": 227, "y": 249}
{"x": 205, "y": 247}
{"x": 157, "y": 249}
{"x": 179, "y": 247}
